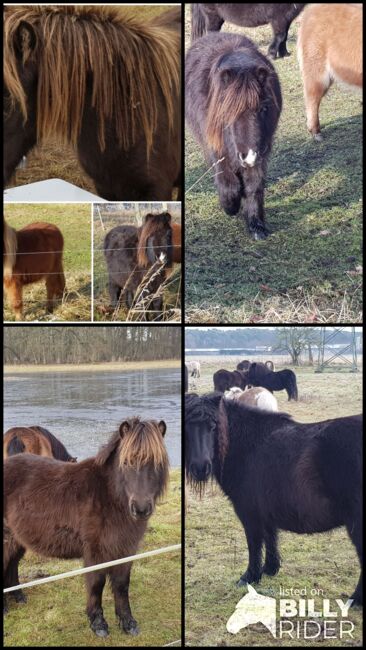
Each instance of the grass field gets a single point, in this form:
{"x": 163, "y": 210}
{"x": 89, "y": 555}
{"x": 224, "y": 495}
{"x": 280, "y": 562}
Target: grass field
{"x": 216, "y": 550}
{"x": 55, "y": 612}
{"x": 74, "y": 222}
{"x": 53, "y": 160}
{"x": 310, "y": 268}
{"x": 102, "y": 310}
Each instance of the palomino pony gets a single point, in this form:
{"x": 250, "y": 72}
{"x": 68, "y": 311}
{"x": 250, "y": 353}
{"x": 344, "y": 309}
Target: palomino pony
{"x": 233, "y": 104}
{"x": 279, "y": 474}
{"x": 103, "y": 81}
{"x": 35, "y": 440}
{"x": 31, "y": 254}
{"x": 260, "y": 375}
{"x": 210, "y": 17}
{"x": 97, "y": 510}
{"x": 329, "y": 49}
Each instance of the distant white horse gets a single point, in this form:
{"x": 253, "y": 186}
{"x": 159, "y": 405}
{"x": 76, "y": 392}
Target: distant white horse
{"x": 194, "y": 368}
{"x": 258, "y": 396}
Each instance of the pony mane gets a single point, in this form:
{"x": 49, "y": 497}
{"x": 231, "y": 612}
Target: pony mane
{"x": 153, "y": 223}
{"x": 141, "y": 445}
{"x": 10, "y": 250}
{"x": 131, "y": 64}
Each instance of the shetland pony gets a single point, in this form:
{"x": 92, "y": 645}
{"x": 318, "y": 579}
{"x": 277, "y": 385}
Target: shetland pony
{"x": 159, "y": 235}
{"x": 233, "y": 103}
{"x": 103, "y": 81}
{"x": 278, "y": 474}
{"x": 210, "y": 17}
{"x": 31, "y": 254}
{"x": 258, "y": 397}
{"x": 259, "y": 375}
{"x": 225, "y": 379}
{"x": 35, "y": 440}
{"x": 97, "y": 510}
{"x": 329, "y": 49}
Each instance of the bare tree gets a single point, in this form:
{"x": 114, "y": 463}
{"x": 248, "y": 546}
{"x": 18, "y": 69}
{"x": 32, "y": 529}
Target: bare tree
{"x": 295, "y": 340}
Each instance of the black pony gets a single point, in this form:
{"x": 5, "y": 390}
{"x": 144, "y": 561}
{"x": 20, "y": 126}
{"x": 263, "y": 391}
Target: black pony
{"x": 233, "y": 103}
{"x": 209, "y": 17}
{"x": 260, "y": 375}
{"x": 243, "y": 365}
{"x": 279, "y": 474}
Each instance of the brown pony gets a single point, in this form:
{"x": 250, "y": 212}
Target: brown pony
{"x": 35, "y": 440}
{"x": 31, "y": 254}
{"x": 159, "y": 235}
{"x": 329, "y": 49}
{"x": 97, "y": 509}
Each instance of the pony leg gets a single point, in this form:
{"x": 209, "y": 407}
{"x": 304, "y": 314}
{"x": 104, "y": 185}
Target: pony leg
{"x": 114, "y": 293}
{"x": 272, "y": 561}
{"x": 254, "y": 535}
{"x": 230, "y": 192}
{"x": 314, "y": 91}
{"x": 120, "y": 581}
{"x": 277, "y": 48}
{"x": 13, "y": 553}
{"x": 95, "y": 582}
{"x": 253, "y": 204}
{"x": 15, "y": 295}
{"x": 354, "y": 529}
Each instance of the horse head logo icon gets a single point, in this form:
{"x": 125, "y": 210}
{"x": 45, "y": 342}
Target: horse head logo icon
{"x": 253, "y": 608}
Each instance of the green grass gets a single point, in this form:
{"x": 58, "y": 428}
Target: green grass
{"x": 55, "y": 613}
{"x": 308, "y": 269}
{"x": 74, "y": 222}
{"x": 216, "y": 550}
{"x": 102, "y": 310}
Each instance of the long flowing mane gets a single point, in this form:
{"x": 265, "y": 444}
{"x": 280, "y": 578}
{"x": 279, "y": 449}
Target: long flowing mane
{"x": 130, "y": 64}
{"x": 10, "y": 249}
{"x": 227, "y": 103}
{"x": 153, "y": 223}
{"x": 141, "y": 445}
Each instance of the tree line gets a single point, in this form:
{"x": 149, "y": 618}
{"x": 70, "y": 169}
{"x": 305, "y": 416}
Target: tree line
{"x": 90, "y": 344}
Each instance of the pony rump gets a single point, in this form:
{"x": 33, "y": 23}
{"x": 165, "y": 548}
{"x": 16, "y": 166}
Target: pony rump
{"x": 10, "y": 250}
{"x": 227, "y": 103}
{"x": 71, "y": 47}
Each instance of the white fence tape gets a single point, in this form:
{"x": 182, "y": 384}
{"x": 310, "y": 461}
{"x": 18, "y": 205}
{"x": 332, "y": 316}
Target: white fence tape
{"x": 96, "y": 567}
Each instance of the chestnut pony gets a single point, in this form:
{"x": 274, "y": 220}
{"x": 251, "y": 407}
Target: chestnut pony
{"x": 31, "y": 254}
{"x": 35, "y": 440}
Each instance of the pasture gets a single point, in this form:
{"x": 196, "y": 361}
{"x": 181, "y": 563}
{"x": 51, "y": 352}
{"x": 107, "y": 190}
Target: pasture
{"x": 55, "y": 612}
{"x": 216, "y": 550}
{"x": 74, "y": 222}
{"x": 52, "y": 159}
{"x": 310, "y": 267}
{"x": 171, "y": 287}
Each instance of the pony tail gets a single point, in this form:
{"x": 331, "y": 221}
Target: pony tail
{"x": 10, "y": 250}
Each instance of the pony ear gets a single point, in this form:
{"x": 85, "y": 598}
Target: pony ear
{"x": 124, "y": 428}
{"x": 25, "y": 40}
{"x": 262, "y": 75}
{"x": 167, "y": 217}
{"x": 162, "y": 427}
{"x": 148, "y": 216}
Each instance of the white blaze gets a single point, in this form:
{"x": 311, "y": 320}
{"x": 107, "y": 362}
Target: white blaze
{"x": 251, "y": 158}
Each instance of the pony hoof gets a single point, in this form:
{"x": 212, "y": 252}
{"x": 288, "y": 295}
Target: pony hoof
{"x": 20, "y": 598}
{"x": 130, "y": 627}
{"x": 100, "y": 626}
{"x": 101, "y": 632}
{"x": 318, "y": 137}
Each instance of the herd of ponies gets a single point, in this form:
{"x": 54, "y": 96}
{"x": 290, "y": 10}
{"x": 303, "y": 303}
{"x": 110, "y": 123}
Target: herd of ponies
{"x": 96, "y": 509}
{"x": 233, "y": 98}
{"x": 278, "y": 474}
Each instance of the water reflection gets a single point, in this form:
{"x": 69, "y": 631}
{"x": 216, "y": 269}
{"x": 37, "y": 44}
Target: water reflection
{"x": 82, "y": 409}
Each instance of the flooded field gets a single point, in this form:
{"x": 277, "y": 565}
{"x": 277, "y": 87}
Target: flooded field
{"x": 82, "y": 409}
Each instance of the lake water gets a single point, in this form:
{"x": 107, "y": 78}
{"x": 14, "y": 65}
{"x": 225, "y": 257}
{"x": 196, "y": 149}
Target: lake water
{"x": 82, "y": 409}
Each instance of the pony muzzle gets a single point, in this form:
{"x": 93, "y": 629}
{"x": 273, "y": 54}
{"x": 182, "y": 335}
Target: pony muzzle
{"x": 249, "y": 160}
{"x": 141, "y": 511}
{"x": 200, "y": 471}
